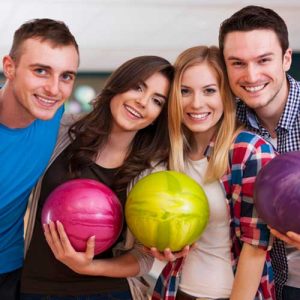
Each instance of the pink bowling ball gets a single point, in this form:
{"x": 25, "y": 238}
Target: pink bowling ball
{"x": 85, "y": 207}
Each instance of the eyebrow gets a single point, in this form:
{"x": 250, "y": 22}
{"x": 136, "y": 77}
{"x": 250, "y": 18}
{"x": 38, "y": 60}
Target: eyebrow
{"x": 260, "y": 56}
{"x": 210, "y": 85}
{"x": 49, "y": 68}
{"x": 204, "y": 87}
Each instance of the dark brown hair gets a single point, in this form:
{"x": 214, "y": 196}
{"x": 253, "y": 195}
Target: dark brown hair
{"x": 252, "y": 18}
{"x": 54, "y": 31}
{"x": 92, "y": 131}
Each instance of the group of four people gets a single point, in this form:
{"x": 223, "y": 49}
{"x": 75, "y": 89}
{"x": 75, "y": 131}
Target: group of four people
{"x": 218, "y": 115}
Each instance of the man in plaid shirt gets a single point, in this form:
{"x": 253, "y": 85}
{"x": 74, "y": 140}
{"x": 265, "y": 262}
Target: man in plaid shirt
{"x": 255, "y": 46}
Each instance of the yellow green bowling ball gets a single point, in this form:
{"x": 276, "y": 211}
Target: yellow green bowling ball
{"x": 167, "y": 209}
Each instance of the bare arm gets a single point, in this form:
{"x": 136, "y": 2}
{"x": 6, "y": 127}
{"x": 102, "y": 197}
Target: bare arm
{"x": 249, "y": 272}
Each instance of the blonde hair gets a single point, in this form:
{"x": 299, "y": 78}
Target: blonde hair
{"x": 180, "y": 138}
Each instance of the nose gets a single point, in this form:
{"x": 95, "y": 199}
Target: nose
{"x": 142, "y": 100}
{"x": 52, "y": 86}
{"x": 251, "y": 73}
{"x": 197, "y": 102}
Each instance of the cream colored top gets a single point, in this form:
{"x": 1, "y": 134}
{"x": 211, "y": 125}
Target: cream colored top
{"x": 207, "y": 271}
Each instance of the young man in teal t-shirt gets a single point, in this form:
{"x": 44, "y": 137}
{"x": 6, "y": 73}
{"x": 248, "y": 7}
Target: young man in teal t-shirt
{"x": 40, "y": 71}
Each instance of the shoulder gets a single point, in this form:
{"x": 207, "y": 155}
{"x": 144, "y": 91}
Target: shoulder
{"x": 248, "y": 145}
{"x": 293, "y": 82}
{"x": 155, "y": 167}
{"x": 68, "y": 119}
{"x": 250, "y": 139}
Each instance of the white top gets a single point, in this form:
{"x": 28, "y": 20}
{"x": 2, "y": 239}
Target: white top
{"x": 207, "y": 271}
{"x": 293, "y": 258}
{"x": 273, "y": 141}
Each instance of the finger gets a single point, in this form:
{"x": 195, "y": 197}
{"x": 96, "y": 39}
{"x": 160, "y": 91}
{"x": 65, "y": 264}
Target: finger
{"x": 294, "y": 236}
{"x": 90, "y": 248}
{"x": 64, "y": 240}
{"x": 55, "y": 238}
{"x": 184, "y": 252}
{"x": 277, "y": 233}
{"x": 169, "y": 255}
{"x": 281, "y": 236}
{"x": 193, "y": 246}
{"x": 48, "y": 235}
{"x": 157, "y": 254}
{"x": 49, "y": 238}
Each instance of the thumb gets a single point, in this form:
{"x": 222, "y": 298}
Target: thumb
{"x": 90, "y": 247}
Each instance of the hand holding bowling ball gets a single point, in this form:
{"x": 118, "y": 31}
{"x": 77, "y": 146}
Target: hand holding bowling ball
{"x": 168, "y": 255}
{"x": 167, "y": 209}
{"x": 290, "y": 237}
{"x": 86, "y": 208}
{"x": 277, "y": 192}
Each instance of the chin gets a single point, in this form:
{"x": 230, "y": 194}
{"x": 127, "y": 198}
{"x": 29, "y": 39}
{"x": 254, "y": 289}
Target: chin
{"x": 45, "y": 116}
{"x": 256, "y": 105}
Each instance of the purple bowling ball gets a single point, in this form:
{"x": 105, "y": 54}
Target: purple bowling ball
{"x": 277, "y": 192}
{"x": 85, "y": 207}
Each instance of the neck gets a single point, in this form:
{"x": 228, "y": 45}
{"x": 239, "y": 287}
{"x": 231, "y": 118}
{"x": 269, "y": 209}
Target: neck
{"x": 11, "y": 113}
{"x": 115, "y": 151}
{"x": 199, "y": 145}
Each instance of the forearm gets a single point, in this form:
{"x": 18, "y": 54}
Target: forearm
{"x": 125, "y": 265}
{"x": 249, "y": 272}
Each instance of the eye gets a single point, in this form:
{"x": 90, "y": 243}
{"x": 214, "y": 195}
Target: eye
{"x": 68, "y": 77}
{"x": 158, "y": 101}
{"x": 40, "y": 71}
{"x": 237, "y": 64}
{"x": 210, "y": 91}
{"x": 185, "y": 91}
{"x": 138, "y": 88}
{"x": 264, "y": 60}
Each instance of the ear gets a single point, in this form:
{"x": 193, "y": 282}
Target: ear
{"x": 287, "y": 59}
{"x": 9, "y": 67}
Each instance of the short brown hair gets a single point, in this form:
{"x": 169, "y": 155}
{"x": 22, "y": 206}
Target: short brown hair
{"x": 252, "y": 18}
{"x": 57, "y": 32}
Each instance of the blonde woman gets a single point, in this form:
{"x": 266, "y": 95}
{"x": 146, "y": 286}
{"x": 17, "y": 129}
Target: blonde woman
{"x": 231, "y": 259}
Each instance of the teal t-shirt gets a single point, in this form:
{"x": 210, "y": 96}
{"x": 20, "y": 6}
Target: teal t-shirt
{"x": 24, "y": 154}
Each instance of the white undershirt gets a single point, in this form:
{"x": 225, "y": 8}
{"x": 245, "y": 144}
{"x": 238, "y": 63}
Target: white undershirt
{"x": 207, "y": 271}
{"x": 273, "y": 141}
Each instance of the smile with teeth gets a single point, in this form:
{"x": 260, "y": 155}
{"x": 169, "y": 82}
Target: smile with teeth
{"x": 253, "y": 89}
{"x": 46, "y": 101}
{"x": 133, "y": 111}
{"x": 198, "y": 116}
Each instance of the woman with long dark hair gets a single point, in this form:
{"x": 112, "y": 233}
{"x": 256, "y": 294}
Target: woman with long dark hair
{"x": 116, "y": 141}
